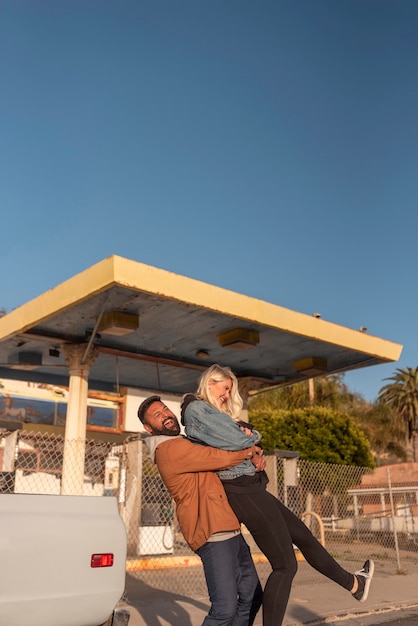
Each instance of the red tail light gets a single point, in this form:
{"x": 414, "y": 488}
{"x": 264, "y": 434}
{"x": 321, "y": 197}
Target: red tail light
{"x": 102, "y": 560}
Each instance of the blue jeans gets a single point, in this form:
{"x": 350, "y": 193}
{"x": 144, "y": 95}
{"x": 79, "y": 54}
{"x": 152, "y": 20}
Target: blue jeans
{"x": 233, "y": 585}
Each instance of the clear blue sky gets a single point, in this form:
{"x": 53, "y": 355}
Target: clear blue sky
{"x": 269, "y": 147}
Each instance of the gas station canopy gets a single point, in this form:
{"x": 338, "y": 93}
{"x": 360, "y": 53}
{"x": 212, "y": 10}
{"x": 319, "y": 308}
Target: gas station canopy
{"x": 155, "y": 330}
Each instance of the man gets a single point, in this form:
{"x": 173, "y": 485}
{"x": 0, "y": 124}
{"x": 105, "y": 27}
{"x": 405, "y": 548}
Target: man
{"x": 206, "y": 520}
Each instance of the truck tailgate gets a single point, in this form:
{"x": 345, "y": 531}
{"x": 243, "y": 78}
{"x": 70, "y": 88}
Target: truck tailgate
{"x": 46, "y": 548}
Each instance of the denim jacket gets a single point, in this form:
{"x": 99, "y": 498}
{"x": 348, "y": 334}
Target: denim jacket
{"x": 205, "y": 424}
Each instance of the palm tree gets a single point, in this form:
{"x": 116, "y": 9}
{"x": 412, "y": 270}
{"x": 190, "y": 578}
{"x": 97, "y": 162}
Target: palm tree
{"x": 402, "y": 396}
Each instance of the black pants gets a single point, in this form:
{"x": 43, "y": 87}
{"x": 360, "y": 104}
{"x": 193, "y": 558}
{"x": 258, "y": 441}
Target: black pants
{"x": 274, "y": 529}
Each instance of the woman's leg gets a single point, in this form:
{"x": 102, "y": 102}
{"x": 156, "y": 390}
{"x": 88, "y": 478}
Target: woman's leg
{"x": 313, "y": 551}
{"x": 229, "y": 575}
{"x": 262, "y": 516}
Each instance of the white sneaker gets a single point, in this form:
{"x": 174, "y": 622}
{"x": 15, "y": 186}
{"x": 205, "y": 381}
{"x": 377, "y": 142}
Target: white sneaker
{"x": 364, "y": 577}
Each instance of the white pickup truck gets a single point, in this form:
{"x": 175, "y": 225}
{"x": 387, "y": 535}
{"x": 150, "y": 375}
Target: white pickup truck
{"x": 62, "y": 561}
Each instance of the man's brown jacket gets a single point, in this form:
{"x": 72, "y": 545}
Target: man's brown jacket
{"x": 188, "y": 471}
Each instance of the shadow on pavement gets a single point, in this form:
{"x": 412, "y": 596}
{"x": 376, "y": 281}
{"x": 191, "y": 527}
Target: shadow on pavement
{"x": 142, "y": 598}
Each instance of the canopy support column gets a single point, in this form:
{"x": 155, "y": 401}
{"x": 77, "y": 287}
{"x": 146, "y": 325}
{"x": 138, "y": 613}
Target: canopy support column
{"x": 245, "y": 385}
{"x": 75, "y": 425}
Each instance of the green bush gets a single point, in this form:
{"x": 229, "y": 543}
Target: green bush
{"x": 317, "y": 433}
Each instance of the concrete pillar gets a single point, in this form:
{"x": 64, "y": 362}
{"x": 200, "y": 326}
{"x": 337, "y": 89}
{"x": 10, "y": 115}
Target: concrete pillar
{"x": 245, "y": 385}
{"x": 72, "y": 482}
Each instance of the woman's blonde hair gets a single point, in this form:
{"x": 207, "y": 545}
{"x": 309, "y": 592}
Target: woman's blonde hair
{"x": 215, "y": 373}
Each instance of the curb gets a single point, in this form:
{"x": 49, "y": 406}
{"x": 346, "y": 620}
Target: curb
{"x": 165, "y": 562}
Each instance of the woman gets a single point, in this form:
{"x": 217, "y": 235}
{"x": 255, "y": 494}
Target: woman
{"x": 212, "y": 417}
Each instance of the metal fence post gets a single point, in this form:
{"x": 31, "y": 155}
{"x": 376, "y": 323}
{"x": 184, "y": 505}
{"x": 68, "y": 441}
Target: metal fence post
{"x": 133, "y": 494}
{"x": 395, "y": 534}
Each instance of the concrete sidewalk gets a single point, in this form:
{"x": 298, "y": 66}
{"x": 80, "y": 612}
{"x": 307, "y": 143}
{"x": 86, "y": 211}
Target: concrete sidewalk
{"x": 313, "y": 604}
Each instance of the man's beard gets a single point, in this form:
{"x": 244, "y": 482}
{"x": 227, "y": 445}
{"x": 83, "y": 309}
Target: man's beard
{"x": 172, "y": 430}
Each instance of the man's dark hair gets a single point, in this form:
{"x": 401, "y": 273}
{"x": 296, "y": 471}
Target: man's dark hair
{"x": 145, "y": 405}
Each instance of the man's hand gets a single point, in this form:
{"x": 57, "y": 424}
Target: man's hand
{"x": 258, "y": 460}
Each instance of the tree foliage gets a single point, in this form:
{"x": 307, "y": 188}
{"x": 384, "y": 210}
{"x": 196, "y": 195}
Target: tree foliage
{"x": 384, "y": 431}
{"x": 329, "y": 391}
{"x": 378, "y": 422}
{"x": 317, "y": 433}
{"x": 401, "y": 395}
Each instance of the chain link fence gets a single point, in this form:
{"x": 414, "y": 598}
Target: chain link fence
{"x": 32, "y": 462}
{"x": 356, "y": 513}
